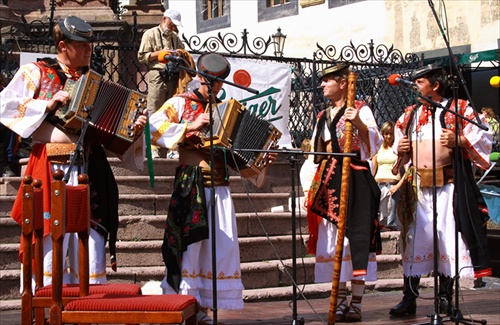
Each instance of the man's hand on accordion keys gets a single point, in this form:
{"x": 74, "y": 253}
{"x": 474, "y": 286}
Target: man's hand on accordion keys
{"x": 140, "y": 123}
{"x": 200, "y": 121}
{"x": 60, "y": 98}
{"x": 272, "y": 156}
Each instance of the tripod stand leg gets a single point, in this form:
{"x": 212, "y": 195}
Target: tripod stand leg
{"x": 458, "y": 318}
{"x": 445, "y": 295}
{"x": 456, "y": 315}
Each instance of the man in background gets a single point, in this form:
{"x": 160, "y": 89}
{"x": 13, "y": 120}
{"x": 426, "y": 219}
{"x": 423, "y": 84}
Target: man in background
{"x": 162, "y": 81}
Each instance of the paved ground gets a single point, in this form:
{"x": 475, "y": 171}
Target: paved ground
{"x": 480, "y": 304}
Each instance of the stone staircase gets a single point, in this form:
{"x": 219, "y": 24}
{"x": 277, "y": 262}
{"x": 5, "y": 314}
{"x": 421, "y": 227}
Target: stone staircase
{"x": 265, "y": 237}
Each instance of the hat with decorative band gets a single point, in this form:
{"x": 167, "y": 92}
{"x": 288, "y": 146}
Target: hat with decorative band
{"x": 214, "y": 64}
{"x": 334, "y": 68}
{"x": 424, "y": 70}
{"x": 76, "y": 29}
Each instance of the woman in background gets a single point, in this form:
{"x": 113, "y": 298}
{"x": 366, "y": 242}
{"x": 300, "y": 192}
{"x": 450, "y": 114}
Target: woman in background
{"x": 389, "y": 184}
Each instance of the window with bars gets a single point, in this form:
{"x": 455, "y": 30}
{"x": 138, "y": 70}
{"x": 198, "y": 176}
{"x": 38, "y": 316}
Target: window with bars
{"x": 212, "y": 15}
{"x": 273, "y": 3}
{"x": 275, "y": 9}
{"x": 212, "y": 9}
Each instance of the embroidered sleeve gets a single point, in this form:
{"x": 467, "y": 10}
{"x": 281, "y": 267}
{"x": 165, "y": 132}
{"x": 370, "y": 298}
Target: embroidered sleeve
{"x": 368, "y": 150}
{"x": 19, "y": 110}
{"x": 400, "y": 127}
{"x": 479, "y": 142}
{"x": 167, "y": 127}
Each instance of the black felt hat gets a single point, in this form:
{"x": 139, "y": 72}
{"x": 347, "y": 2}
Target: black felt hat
{"x": 424, "y": 70}
{"x": 76, "y": 29}
{"x": 214, "y": 64}
{"x": 333, "y": 69}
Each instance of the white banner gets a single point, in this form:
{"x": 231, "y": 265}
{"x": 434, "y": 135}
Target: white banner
{"x": 27, "y": 57}
{"x": 273, "y": 82}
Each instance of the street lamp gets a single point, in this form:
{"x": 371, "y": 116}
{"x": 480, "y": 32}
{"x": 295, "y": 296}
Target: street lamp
{"x": 279, "y": 43}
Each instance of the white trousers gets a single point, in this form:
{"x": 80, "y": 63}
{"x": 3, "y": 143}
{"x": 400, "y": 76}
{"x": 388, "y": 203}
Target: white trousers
{"x": 418, "y": 258}
{"x": 325, "y": 257}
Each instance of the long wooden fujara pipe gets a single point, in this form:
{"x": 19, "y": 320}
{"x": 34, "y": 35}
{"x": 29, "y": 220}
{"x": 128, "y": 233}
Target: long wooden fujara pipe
{"x": 344, "y": 190}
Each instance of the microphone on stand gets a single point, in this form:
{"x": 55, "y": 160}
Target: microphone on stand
{"x": 495, "y": 81}
{"x": 165, "y": 56}
{"x": 396, "y": 80}
{"x": 171, "y": 70}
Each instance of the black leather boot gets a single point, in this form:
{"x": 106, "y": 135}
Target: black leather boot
{"x": 407, "y": 306}
{"x": 445, "y": 295}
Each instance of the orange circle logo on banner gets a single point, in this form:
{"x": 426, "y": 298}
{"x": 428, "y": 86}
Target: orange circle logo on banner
{"x": 242, "y": 77}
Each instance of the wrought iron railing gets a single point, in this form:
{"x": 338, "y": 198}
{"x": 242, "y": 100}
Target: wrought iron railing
{"x": 115, "y": 56}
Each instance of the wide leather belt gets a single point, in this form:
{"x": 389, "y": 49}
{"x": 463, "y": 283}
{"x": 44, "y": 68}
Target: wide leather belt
{"x": 444, "y": 175}
{"x": 221, "y": 178}
{"x": 60, "y": 153}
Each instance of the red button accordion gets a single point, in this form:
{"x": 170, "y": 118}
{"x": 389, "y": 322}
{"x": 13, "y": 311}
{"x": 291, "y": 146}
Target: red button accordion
{"x": 112, "y": 110}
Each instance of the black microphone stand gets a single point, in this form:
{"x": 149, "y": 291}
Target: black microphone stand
{"x": 292, "y": 157}
{"x": 457, "y": 315}
{"x": 436, "y": 319}
{"x": 209, "y": 81}
{"x": 79, "y": 144}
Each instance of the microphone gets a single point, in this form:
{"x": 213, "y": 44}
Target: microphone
{"x": 164, "y": 57}
{"x": 495, "y": 81}
{"x": 396, "y": 80}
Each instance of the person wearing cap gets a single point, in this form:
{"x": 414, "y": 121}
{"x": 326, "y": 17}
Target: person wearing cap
{"x": 186, "y": 245}
{"x": 362, "y": 239}
{"x": 155, "y": 41}
{"x": 418, "y": 149}
{"x": 28, "y": 106}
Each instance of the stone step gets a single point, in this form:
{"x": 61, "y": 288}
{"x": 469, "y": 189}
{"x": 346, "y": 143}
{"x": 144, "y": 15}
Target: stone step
{"x": 150, "y": 204}
{"x": 151, "y": 227}
{"x": 162, "y": 185}
{"x": 139, "y": 198}
{"x": 165, "y": 185}
{"x": 135, "y": 186}
{"x": 143, "y": 253}
{"x": 155, "y": 204}
{"x": 164, "y": 166}
{"x": 143, "y": 235}
{"x": 255, "y": 275}
{"x": 140, "y": 184}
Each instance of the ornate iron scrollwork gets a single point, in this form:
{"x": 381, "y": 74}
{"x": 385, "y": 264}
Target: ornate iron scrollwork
{"x": 37, "y": 30}
{"x": 365, "y": 53}
{"x": 229, "y": 43}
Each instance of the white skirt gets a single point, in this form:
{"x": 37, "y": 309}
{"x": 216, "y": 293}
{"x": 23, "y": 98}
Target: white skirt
{"x": 197, "y": 260}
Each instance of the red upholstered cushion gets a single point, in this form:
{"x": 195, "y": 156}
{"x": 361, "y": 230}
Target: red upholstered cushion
{"x": 107, "y": 302}
{"x": 77, "y": 207}
{"x": 73, "y": 290}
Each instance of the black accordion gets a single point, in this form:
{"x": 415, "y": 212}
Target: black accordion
{"x": 234, "y": 127}
{"x": 112, "y": 110}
